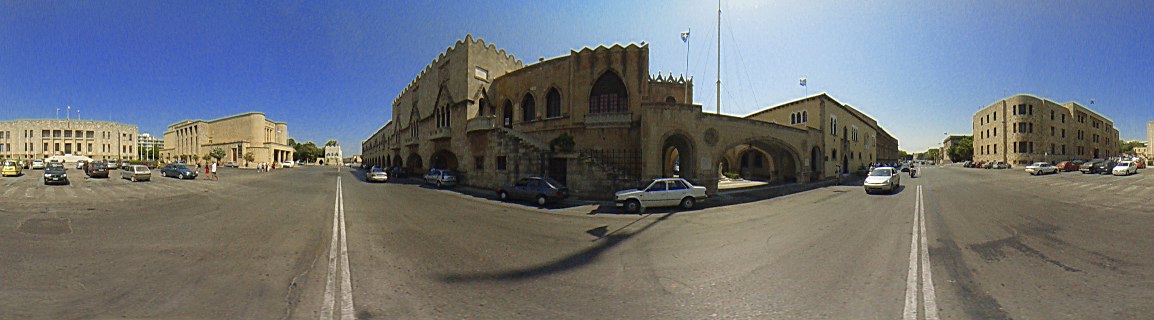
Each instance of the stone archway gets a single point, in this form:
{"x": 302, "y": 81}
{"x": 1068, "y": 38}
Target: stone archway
{"x": 779, "y": 161}
{"x": 678, "y": 156}
{"x": 444, "y": 159}
{"x": 414, "y": 162}
{"x": 816, "y": 162}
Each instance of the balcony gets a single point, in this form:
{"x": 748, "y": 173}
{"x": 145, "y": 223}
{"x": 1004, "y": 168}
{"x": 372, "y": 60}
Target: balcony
{"x": 411, "y": 141}
{"x": 441, "y": 133}
{"x": 481, "y": 123}
{"x": 608, "y": 120}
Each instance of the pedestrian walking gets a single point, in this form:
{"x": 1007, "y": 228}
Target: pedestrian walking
{"x": 213, "y": 168}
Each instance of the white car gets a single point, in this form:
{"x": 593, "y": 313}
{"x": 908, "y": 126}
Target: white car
{"x": 886, "y": 179}
{"x": 287, "y": 164}
{"x": 1125, "y": 168}
{"x": 37, "y": 164}
{"x": 1039, "y": 168}
{"x": 663, "y": 192}
{"x": 376, "y": 174}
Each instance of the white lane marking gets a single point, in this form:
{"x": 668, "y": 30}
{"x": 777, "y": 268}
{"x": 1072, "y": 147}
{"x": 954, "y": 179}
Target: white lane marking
{"x": 929, "y": 298}
{"x": 28, "y": 192}
{"x": 910, "y": 312}
{"x": 341, "y": 259}
{"x": 68, "y": 190}
{"x": 347, "y": 310}
{"x": 1112, "y": 188}
{"x": 1130, "y": 188}
{"x": 330, "y": 282}
{"x": 9, "y": 191}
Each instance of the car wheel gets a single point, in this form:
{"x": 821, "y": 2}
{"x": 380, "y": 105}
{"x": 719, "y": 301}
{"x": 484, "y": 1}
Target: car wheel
{"x": 438, "y": 184}
{"x": 541, "y": 200}
{"x": 133, "y": 179}
{"x": 632, "y": 206}
{"x": 503, "y": 195}
{"x": 687, "y": 203}
{"x": 181, "y": 176}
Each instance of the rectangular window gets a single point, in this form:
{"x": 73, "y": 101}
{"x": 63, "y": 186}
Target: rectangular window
{"x": 1051, "y": 115}
{"x": 1063, "y": 133}
{"x": 1053, "y": 148}
{"x": 1031, "y": 127}
{"x": 995, "y": 131}
{"x": 479, "y": 163}
{"x": 1051, "y": 131}
{"x": 995, "y": 116}
{"x": 501, "y": 163}
{"x": 995, "y": 148}
{"x": 44, "y": 134}
{"x": 1031, "y": 109}
{"x": 1063, "y": 118}
{"x": 1031, "y": 147}
{"x": 1063, "y": 149}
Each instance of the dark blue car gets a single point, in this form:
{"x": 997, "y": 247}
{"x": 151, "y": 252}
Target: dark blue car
{"x": 540, "y": 190}
{"x": 178, "y": 170}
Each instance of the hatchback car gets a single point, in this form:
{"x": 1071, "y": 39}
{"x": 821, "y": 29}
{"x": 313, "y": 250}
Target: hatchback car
{"x": 1105, "y": 167}
{"x": 662, "y": 192}
{"x": 1125, "y": 168}
{"x": 377, "y": 174}
{"x": 37, "y": 164}
{"x": 136, "y": 173}
{"x": 441, "y": 178}
{"x": 1067, "y": 166}
{"x": 541, "y": 190}
{"x": 55, "y": 173}
{"x": 11, "y": 168}
{"x": 886, "y": 179}
{"x": 1040, "y": 168}
{"x": 96, "y": 170}
{"x": 178, "y": 170}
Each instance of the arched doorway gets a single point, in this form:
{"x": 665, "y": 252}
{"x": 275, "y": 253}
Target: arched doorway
{"x": 844, "y": 163}
{"x": 507, "y": 114}
{"x": 678, "y": 157}
{"x": 414, "y": 163}
{"x": 762, "y": 158}
{"x": 815, "y": 162}
{"x": 755, "y": 164}
{"x": 609, "y": 95}
{"x": 444, "y": 159}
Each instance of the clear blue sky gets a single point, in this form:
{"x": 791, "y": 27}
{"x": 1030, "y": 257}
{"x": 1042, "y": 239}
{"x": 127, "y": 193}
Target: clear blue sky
{"x": 330, "y": 69}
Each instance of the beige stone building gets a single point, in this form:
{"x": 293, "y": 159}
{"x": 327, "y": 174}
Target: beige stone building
{"x": 41, "y": 138}
{"x": 333, "y": 156}
{"x": 597, "y": 120}
{"x": 236, "y": 135}
{"x": 1023, "y": 129}
{"x": 949, "y": 143}
{"x": 1149, "y": 152}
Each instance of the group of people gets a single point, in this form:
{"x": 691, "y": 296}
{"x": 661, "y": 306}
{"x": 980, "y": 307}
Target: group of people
{"x": 265, "y": 167}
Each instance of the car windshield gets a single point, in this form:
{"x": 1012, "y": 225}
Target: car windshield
{"x": 881, "y": 172}
{"x": 179, "y": 166}
{"x": 377, "y": 169}
{"x": 1041, "y": 164}
{"x": 55, "y": 165}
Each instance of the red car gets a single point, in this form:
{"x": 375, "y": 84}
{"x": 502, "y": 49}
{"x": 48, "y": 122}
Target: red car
{"x": 1067, "y": 166}
{"x": 1141, "y": 164}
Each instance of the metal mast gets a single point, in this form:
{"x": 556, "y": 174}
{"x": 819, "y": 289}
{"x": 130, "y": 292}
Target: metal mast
{"x": 718, "y": 56}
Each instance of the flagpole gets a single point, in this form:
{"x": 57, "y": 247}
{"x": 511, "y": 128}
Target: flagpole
{"x": 718, "y": 56}
{"x": 687, "y": 34}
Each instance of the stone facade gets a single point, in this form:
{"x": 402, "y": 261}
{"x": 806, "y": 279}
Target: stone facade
{"x": 237, "y": 135}
{"x": 1023, "y": 129}
{"x": 146, "y": 143}
{"x": 948, "y": 143}
{"x": 333, "y": 156}
{"x": 595, "y": 119}
{"x": 1149, "y": 140}
{"x": 40, "y": 139}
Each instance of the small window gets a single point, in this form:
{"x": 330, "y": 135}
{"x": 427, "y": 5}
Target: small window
{"x": 479, "y": 163}
{"x": 677, "y": 185}
{"x": 522, "y": 183}
{"x": 657, "y": 186}
{"x": 501, "y": 163}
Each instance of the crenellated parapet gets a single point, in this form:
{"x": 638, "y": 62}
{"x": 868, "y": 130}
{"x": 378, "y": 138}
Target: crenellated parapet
{"x": 461, "y": 47}
{"x": 669, "y": 79}
{"x": 611, "y": 48}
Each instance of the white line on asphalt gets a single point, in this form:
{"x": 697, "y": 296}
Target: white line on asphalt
{"x": 338, "y": 258}
{"x": 28, "y": 193}
{"x": 9, "y": 191}
{"x": 929, "y": 298}
{"x": 1130, "y": 188}
{"x": 910, "y": 312}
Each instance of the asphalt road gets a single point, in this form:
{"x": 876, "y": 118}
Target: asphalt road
{"x": 298, "y": 244}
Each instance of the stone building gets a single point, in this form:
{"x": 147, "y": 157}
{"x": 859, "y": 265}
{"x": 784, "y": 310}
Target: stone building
{"x": 42, "y": 138}
{"x": 333, "y": 156}
{"x": 148, "y": 147}
{"x": 1149, "y": 140}
{"x": 598, "y": 121}
{"x": 1023, "y": 129}
{"x": 949, "y": 143}
{"x": 236, "y": 135}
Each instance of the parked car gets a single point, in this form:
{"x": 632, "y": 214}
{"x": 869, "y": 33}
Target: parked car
{"x": 287, "y": 164}
{"x": 96, "y": 170}
{"x": 662, "y": 192}
{"x": 541, "y": 190}
{"x": 11, "y": 168}
{"x": 966, "y": 164}
{"x": 1000, "y": 165}
{"x": 231, "y": 164}
{"x": 377, "y": 174}
{"x": 886, "y": 179}
{"x": 80, "y": 164}
{"x": 1067, "y": 166}
{"x": 1040, "y": 168}
{"x": 38, "y": 164}
{"x": 136, "y": 172}
{"x": 1125, "y": 168}
{"x": 1141, "y": 164}
{"x": 178, "y": 170}
{"x": 1106, "y": 167}
{"x": 113, "y": 165}
{"x": 441, "y": 178}
{"x": 55, "y": 173}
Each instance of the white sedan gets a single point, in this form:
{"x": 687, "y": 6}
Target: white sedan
{"x": 663, "y": 192}
{"x": 287, "y": 164}
{"x": 1125, "y": 168}
{"x": 887, "y": 179}
{"x": 1039, "y": 168}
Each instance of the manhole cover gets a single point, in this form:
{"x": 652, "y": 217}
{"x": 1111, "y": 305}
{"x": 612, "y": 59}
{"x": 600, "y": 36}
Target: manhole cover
{"x": 49, "y": 226}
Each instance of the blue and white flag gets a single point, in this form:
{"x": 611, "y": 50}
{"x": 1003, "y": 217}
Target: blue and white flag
{"x": 685, "y": 36}
{"x": 802, "y": 82}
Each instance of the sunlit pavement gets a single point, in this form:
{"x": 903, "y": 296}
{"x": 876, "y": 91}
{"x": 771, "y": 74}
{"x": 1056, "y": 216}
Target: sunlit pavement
{"x": 298, "y": 244}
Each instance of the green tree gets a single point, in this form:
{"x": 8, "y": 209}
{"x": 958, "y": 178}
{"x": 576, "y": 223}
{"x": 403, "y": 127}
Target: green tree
{"x": 248, "y": 157}
{"x": 903, "y": 155}
{"x": 331, "y": 143}
{"x": 1128, "y": 146}
{"x": 963, "y": 150}
{"x": 195, "y": 158}
{"x": 931, "y": 154}
{"x": 217, "y": 153}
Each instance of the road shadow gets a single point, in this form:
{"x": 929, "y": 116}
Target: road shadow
{"x": 576, "y": 260}
{"x": 487, "y": 194}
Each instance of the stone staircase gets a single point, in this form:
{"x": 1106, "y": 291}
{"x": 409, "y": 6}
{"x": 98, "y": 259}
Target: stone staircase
{"x": 525, "y": 139}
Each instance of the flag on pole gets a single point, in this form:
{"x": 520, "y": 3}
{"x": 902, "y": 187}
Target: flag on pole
{"x": 685, "y": 36}
{"x": 802, "y": 82}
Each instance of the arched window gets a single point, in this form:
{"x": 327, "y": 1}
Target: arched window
{"x": 792, "y": 118}
{"x": 553, "y": 104}
{"x": 670, "y": 100}
{"x": 482, "y": 106}
{"x": 507, "y": 114}
{"x": 804, "y": 116}
{"x": 528, "y": 108}
{"x": 608, "y": 95}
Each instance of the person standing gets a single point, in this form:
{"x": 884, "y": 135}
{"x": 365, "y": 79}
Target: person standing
{"x": 213, "y": 168}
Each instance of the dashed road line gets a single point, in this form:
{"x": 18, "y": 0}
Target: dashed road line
{"x": 338, "y": 258}
{"x": 918, "y": 247}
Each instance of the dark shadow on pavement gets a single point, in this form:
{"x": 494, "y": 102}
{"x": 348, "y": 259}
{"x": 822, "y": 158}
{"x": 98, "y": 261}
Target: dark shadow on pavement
{"x": 567, "y": 263}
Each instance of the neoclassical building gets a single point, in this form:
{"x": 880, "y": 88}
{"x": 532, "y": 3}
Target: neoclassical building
{"x": 598, "y": 120}
{"x": 1023, "y": 129}
{"x": 236, "y": 135}
{"x": 42, "y": 138}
